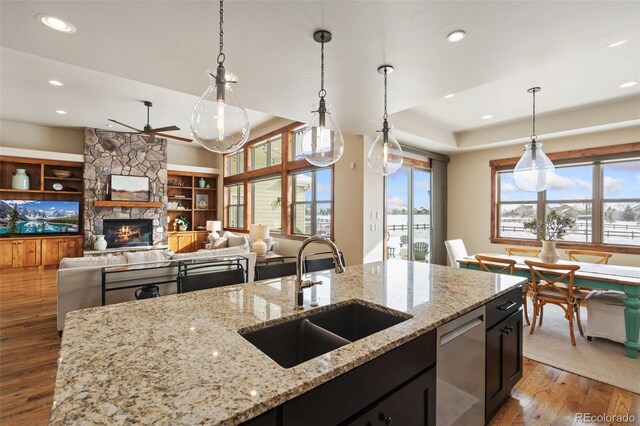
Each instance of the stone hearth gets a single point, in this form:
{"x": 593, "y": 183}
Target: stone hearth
{"x": 107, "y": 153}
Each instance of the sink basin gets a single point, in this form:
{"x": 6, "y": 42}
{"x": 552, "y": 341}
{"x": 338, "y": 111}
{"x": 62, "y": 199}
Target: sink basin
{"x": 293, "y": 342}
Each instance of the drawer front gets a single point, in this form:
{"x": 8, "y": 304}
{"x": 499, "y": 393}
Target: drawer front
{"x": 503, "y": 306}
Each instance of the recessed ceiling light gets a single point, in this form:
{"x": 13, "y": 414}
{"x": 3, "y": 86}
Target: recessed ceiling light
{"x": 486, "y": 117}
{"x": 61, "y": 112}
{"x": 618, "y": 43}
{"x": 56, "y": 83}
{"x": 56, "y": 23}
{"x": 450, "y": 95}
{"x": 628, "y": 84}
{"x": 456, "y": 36}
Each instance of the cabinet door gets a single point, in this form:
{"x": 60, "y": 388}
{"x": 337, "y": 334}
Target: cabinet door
{"x": 200, "y": 238}
{"x": 172, "y": 241}
{"x": 73, "y": 246}
{"x": 504, "y": 360}
{"x": 185, "y": 243}
{"x": 412, "y": 404}
{"x": 53, "y": 249}
{"x": 30, "y": 255}
{"x": 6, "y": 254}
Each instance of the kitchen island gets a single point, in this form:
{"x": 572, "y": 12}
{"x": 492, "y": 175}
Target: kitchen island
{"x": 180, "y": 359}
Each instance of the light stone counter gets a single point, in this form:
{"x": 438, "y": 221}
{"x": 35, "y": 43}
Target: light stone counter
{"x": 179, "y": 360}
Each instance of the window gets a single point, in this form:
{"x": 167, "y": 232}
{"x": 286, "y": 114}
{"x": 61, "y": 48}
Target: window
{"x": 602, "y": 192}
{"x": 284, "y": 191}
{"x": 266, "y": 196}
{"x": 267, "y": 153}
{"x": 235, "y": 205}
{"x": 296, "y": 143}
{"x": 312, "y": 202}
{"x": 234, "y": 164}
{"x": 621, "y": 202}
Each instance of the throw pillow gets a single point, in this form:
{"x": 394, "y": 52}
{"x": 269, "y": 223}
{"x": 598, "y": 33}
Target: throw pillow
{"x": 235, "y": 241}
{"x": 219, "y": 243}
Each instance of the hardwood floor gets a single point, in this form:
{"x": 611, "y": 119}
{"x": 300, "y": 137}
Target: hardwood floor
{"x": 29, "y": 345}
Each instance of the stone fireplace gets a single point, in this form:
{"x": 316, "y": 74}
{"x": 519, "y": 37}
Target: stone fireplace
{"x": 107, "y": 153}
{"x": 127, "y": 232}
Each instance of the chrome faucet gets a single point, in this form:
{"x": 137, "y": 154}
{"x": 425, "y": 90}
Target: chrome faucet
{"x": 300, "y": 284}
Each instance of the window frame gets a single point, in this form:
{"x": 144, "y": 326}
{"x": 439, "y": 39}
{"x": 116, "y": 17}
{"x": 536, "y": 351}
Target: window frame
{"x": 253, "y": 192}
{"x": 228, "y": 205}
{"x": 313, "y": 203}
{"x": 268, "y": 142}
{"x": 593, "y": 156}
{"x": 284, "y": 170}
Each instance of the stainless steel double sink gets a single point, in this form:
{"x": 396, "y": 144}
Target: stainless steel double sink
{"x": 298, "y": 340}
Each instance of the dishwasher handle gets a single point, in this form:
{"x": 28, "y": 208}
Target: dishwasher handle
{"x": 453, "y": 334}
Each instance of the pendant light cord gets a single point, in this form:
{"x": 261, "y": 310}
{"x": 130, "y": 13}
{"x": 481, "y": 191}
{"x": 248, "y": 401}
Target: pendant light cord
{"x": 533, "y": 135}
{"x": 385, "y": 116}
{"x": 221, "y": 56}
{"x": 322, "y": 93}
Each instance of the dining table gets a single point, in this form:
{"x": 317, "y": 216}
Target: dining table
{"x": 592, "y": 276}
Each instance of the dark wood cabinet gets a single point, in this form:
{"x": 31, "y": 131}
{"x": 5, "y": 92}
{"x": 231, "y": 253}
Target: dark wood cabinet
{"x": 412, "y": 404}
{"x": 504, "y": 360}
{"x": 19, "y": 253}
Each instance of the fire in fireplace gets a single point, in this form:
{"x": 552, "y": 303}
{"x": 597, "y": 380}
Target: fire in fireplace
{"x": 127, "y": 232}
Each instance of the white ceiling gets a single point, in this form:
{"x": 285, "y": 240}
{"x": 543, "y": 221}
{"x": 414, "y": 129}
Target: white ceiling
{"x": 510, "y": 46}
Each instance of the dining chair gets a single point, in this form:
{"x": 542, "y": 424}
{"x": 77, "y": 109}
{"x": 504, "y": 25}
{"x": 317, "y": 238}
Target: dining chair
{"x": 275, "y": 270}
{"x": 522, "y": 251}
{"x": 547, "y": 287}
{"x": 502, "y": 265}
{"x": 420, "y": 250}
{"x": 322, "y": 264}
{"x": 203, "y": 281}
{"x": 455, "y": 250}
{"x": 601, "y": 256}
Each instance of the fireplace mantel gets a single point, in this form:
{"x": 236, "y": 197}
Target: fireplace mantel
{"x": 141, "y": 204}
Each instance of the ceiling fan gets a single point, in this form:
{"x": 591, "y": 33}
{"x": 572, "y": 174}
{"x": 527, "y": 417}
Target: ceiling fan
{"x": 150, "y": 131}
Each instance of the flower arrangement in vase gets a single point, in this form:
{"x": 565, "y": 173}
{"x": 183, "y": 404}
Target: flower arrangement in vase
{"x": 183, "y": 223}
{"x": 555, "y": 226}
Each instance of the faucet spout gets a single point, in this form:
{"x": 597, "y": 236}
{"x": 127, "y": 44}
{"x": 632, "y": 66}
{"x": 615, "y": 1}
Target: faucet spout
{"x": 302, "y": 284}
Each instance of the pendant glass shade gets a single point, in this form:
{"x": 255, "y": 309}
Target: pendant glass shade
{"x": 534, "y": 172}
{"x": 218, "y": 122}
{"x": 385, "y": 155}
{"x": 322, "y": 142}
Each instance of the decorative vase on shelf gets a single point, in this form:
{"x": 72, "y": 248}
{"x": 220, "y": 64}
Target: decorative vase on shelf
{"x": 99, "y": 243}
{"x": 549, "y": 254}
{"x": 20, "y": 180}
{"x": 182, "y": 227}
{"x": 202, "y": 183}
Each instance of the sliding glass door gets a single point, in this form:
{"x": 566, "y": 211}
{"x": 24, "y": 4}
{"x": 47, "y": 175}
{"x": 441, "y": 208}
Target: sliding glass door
{"x": 408, "y": 214}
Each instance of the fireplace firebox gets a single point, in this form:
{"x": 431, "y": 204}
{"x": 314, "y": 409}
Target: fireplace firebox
{"x": 127, "y": 232}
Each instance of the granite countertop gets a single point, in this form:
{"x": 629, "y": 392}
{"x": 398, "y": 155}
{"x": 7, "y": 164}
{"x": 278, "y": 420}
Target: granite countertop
{"x": 180, "y": 360}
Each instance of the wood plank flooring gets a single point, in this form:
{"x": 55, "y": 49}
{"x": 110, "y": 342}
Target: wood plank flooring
{"x": 29, "y": 345}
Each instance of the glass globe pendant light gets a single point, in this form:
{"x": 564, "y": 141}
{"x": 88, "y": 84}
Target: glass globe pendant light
{"x": 385, "y": 155}
{"x": 534, "y": 172}
{"x": 218, "y": 122}
{"x": 322, "y": 142}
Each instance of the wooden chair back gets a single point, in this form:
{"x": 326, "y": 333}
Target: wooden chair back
{"x": 540, "y": 280}
{"x": 498, "y": 265}
{"x": 522, "y": 251}
{"x": 602, "y": 257}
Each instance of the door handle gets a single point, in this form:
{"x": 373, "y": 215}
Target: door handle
{"x": 507, "y": 305}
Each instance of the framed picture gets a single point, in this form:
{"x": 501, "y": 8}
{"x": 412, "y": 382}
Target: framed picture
{"x": 129, "y": 188}
{"x": 202, "y": 201}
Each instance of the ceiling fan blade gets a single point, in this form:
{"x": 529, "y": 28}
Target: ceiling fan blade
{"x": 125, "y": 125}
{"x": 165, "y": 129}
{"x": 164, "y": 135}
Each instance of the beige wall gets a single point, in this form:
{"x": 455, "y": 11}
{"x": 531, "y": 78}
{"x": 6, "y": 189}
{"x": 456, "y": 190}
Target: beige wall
{"x": 41, "y": 138}
{"x": 469, "y": 187}
{"x": 191, "y": 155}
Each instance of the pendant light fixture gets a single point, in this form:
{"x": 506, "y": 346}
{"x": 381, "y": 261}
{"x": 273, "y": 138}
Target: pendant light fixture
{"x": 385, "y": 155}
{"x": 218, "y": 122}
{"x": 534, "y": 172}
{"x": 322, "y": 142}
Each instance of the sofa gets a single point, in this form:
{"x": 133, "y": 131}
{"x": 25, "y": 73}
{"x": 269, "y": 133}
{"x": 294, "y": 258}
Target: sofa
{"x": 230, "y": 239}
{"x": 79, "y": 279}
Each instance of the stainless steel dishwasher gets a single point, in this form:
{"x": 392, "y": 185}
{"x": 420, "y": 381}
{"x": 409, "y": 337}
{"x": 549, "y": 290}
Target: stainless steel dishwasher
{"x": 460, "y": 370}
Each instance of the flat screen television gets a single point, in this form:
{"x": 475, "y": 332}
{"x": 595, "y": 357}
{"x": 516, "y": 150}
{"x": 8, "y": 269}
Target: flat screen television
{"x": 33, "y": 217}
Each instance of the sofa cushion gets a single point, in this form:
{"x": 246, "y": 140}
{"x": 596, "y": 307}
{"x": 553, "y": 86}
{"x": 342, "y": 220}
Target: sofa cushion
{"x": 82, "y": 262}
{"x": 237, "y": 240}
{"x": 146, "y": 257}
{"x": 223, "y": 251}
